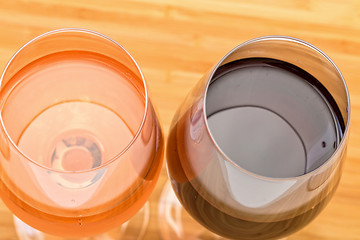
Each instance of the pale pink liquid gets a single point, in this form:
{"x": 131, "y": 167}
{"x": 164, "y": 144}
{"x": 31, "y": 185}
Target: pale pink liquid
{"x": 75, "y": 111}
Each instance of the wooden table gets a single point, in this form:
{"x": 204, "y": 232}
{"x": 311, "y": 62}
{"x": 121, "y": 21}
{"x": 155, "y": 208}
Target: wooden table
{"x": 176, "y": 41}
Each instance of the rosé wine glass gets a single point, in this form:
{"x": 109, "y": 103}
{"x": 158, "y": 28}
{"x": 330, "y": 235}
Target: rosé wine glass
{"x": 256, "y": 150}
{"x": 81, "y": 145}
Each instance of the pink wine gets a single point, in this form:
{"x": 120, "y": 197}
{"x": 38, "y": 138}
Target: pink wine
{"x": 76, "y": 111}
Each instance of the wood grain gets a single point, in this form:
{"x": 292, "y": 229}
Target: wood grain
{"x": 175, "y": 42}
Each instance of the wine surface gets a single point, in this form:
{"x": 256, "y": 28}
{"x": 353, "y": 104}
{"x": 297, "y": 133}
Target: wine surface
{"x": 274, "y": 119}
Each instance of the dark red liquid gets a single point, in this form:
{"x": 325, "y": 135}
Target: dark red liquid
{"x": 217, "y": 215}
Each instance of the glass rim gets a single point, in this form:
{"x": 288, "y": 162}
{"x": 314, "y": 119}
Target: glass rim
{"x": 123, "y": 150}
{"x": 280, "y": 38}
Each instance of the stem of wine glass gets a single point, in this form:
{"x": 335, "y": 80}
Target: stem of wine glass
{"x": 175, "y": 223}
{"x": 139, "y": 222}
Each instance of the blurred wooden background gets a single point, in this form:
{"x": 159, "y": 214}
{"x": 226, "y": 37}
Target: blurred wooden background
{"x": 176, "y": 41}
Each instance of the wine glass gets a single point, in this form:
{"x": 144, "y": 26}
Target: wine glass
{"x": 256, "y": 149}
{"x": 81, "y": 146}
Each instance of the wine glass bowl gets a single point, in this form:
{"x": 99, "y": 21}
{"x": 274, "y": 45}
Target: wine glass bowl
{"x": 81, "y": 146}
{"x": 256, "y": 149}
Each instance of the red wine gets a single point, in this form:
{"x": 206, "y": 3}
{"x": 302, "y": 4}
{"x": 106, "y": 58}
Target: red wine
{"x": 272, "y": 118}
{"x": 275, "y": 124}
{"x": 232, "y": 227}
